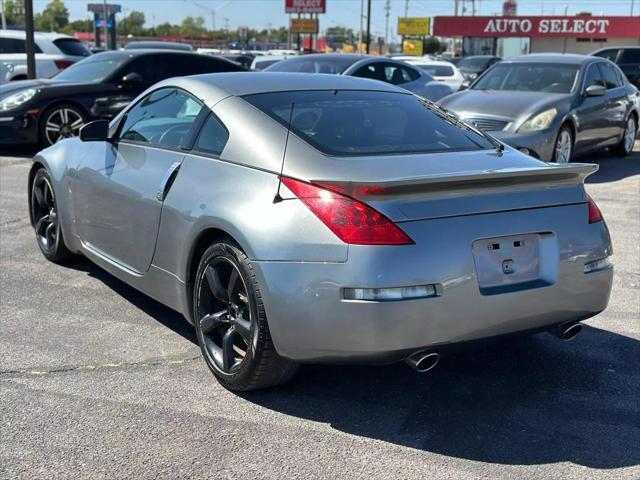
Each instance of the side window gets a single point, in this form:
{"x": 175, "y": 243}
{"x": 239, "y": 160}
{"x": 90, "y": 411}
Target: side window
{"x": 164, "y": 118}
{"x": 593, "y": 77}
{"x": 152, "y": 69}
{"x": 397, "y": 74}
{"x": 630, "y": 55}
{"x": 373, "y": 71}
{"x": 610, "y": 54}
{"x": 213, "y": 136}
{"x": 610, "y": 78}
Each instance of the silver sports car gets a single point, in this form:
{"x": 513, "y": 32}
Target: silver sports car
{"x": 317, "y": 218}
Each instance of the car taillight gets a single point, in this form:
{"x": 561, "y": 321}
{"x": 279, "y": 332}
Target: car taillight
{"x": 595, "y": 215}
{"x": 351, "y": 221}
{"x": 62, "y": 64}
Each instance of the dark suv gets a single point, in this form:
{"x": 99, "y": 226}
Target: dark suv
{"x": 627, "y": 58}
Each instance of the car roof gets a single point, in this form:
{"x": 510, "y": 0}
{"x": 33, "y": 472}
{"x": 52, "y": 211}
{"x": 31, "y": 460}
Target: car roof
{"x": 139, "y": 52}
{"x": 566, "y": 58}
{"x": 331, "y": 56}
{"x": 213, "y": 87}
{"x": 38, "y": 35}
{"x": 151, "y": 44}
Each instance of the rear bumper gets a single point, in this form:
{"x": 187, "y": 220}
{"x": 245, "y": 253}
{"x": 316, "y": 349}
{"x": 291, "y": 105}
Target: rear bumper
{"x": 539, "y": 144}
{"x": 310, "y": 320}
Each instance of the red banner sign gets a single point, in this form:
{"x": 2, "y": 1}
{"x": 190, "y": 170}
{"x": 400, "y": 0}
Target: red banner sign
{"x": 552, "y": 27}
{"x": 305, "y": 6}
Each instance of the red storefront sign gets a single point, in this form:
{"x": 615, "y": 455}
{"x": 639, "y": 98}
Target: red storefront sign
{"x": 552, "y": 27}
{"x": 305, "y": 6}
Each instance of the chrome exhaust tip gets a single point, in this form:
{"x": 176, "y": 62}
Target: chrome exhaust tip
{"x": 422, "y": 362}
{"x": 568, "y": 331}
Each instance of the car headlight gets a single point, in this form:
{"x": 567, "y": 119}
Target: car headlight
{"x": 17, "y": 99}
{"x": 539, "y": 122}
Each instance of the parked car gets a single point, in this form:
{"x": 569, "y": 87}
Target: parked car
{"x": 45, "y": 111}
{"x": 262, "y": 62}
{"x": 54, "y": 53}
{"x": 627, "y": 59}
{"x": 158, "y": 45}
{"x": 473, "y": 66}
{"x": 442, "y": 71}
{"x": 384, "y": 69}
{"x": 244, "y": 60}
{"x": 380, "y": 229}
{"x": 553, "y": 106}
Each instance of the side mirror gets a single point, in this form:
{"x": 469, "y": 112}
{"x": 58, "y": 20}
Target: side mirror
{"x": 96, "y": 131}
{"x": 131, "y": 78}
{"x": 595, "y": 91}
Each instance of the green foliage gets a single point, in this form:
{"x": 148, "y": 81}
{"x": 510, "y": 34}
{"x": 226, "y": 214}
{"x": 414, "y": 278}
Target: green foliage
{"x": 193, "y": 27}
{"x": 14, "y": 12}
{"x": 133, "y": 24}
{"x": 53, "y": 18}
{"x": 433, "y": 45}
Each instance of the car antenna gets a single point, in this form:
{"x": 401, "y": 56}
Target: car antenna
{"x": 278, "y": 198}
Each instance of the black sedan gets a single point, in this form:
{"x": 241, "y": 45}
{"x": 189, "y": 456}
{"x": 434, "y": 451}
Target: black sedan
{"x": 45, "y": 111}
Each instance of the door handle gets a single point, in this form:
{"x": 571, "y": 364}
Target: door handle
{"x": 167, "y": 180}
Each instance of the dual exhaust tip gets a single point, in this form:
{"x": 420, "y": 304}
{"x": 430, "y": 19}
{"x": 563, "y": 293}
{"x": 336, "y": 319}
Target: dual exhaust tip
{"x": 426, "y": 360}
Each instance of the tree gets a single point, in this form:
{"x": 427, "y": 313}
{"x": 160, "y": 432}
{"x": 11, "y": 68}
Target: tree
{"x": 433, "y": 45}
{"x": 193, "y": 27}
{"x": 133, "y": 24}
{"x": 54, "y": 17}
{"x": 14, "y": 12}
{"x": 78, "y": 26}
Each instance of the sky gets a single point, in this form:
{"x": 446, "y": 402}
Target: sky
{"x": 270, "y": 13}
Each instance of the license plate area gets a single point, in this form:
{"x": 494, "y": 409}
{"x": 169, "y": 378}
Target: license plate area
{"x": 515, "y": 262}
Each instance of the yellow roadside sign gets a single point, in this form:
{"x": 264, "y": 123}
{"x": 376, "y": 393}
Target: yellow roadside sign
{"x": 414, "y": 25}
{"x": 304, "y": 25}
{"x": 412, "y": 46}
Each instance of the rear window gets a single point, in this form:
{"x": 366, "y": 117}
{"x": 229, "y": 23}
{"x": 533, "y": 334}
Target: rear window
{"x": 71, "y": 46}
{"x": 306, "y": 64}
{"x": 437, "y": 70}
{"x": 356, "y": 123}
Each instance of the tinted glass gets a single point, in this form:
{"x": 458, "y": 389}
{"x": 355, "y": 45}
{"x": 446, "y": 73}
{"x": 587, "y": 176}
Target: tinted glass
{"x": 15, "y": 45}
{"x": 529, "y": 77}
{"x": 163, "y": 118}
{"x": 611, "y": 54}
{"x": 262, "y": 64}
{"x": 71, "y": 46}
{"x": 610, "y": 77}
{"x": 630, "y": 55}
{"x": 474, "y": 62}
{"x": 437, "y": 70}
{"x": 593, "y": 77}
{"x": 305, "y": 64}
{"x": 366, "y": 123}
{"x": 92, "y": 69}
{"x": 213, "y": 136}
{"x": 397, "y": 74}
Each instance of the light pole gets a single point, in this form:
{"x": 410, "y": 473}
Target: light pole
{"x": 4, "y": 19}
{"x": 30, "y": 46}
{"x": 212, "y": 11}
{"x": 368, "y": 25}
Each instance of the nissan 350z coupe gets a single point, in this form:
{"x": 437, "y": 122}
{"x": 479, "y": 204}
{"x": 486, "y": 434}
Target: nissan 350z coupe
{"x": 322, "y": 219}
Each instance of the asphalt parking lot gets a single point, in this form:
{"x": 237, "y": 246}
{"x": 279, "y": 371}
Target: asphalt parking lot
{"x": 99, "y": 381}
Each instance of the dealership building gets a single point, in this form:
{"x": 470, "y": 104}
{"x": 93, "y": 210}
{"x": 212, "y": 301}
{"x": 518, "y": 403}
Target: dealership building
{"x": 511, "y": 35}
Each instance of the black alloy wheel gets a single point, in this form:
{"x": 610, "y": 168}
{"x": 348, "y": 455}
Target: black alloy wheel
{"x": 231, "y": 324}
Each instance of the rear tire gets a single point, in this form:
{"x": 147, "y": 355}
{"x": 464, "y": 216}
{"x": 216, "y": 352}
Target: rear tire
{"x": 563, "y": 148}
{"x": 231, "y": 323}
{"x": 46, "y": 220}
{"x": 625, "y": 147}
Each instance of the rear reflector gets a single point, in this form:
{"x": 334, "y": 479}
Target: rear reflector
{"x": 389, "y": 294}
{"x": 595, "y": 215}
{"x": 351, "y": 221}
{"x": 62, "y": 64}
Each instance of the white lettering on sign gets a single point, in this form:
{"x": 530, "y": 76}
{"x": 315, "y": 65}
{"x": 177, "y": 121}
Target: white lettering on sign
{"x": 547, "y": 25}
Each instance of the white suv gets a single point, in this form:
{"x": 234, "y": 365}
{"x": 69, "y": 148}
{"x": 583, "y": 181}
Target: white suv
{"x": 54, "y": 52}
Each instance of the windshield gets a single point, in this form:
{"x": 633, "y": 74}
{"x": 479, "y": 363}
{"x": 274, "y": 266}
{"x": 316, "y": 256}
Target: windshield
{"x": 529, "y": 77}
{"x": 306, "y": 64}
{"x": 90, "y": 70}
{"x": 360, "y": 123}
{"x": 474, "y": 62}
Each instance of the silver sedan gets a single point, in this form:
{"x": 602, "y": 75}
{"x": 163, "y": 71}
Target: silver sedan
{"x": 315, "y": 218}
{"x": 552, "y": 106}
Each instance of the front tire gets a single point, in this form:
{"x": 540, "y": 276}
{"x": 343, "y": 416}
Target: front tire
{"x": 46, "y": 220}
{"x": 625, "y": 147}
{"x": 231, "y": 323}
{"x": 59, "y": 122}
{"x": 563, "y": 148}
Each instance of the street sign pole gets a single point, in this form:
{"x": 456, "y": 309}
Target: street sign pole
{"x": 30, "y": 46}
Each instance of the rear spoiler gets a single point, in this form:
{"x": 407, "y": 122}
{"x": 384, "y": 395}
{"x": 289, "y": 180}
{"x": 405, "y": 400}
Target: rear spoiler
{"x": 552, "y": 174}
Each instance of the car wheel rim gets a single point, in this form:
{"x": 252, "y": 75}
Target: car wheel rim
{"x": 225, "y": 317}
{"x": 630, "y": 135}
{"x": 44, "y": 214}
{"x": 563, "y": 147}
{"x": 63, "y": 123}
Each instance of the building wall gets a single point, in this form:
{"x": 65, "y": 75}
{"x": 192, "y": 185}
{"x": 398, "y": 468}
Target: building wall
{"x": 541, "y": 45}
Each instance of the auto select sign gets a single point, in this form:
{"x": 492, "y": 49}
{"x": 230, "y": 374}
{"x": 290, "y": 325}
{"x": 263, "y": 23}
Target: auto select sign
{"x": 305, "y": 6}
{"x": 556, "y": 27}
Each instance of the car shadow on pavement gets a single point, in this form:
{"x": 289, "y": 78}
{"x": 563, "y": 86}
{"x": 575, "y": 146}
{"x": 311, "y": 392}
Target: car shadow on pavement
{"x": 612, "y": 168}
{"x": 532, "y": 401}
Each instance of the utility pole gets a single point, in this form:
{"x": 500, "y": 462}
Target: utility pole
{"x": 361, "y": 26}
{"x": 387, "y": 9}
{"x": 4, "y": 19}
{"x": 106, "y": 29}
{"x": 30, "y": 46}
{"x": 368, "y": 25}
{"x": 632, "y": 8}
{"x": 455, "y": 7}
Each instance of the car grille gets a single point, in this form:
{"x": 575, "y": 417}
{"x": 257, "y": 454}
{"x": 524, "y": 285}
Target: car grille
{"x": 487, "y": 124}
